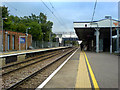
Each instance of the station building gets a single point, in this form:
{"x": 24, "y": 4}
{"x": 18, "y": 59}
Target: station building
{"x": 13, "y": 41}
{"x": 96, "y": 35}
{"x": 63, "y": 37}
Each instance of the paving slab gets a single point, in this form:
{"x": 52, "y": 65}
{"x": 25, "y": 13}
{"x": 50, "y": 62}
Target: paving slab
{"x": 105, "y": 68}
{"x": 74, "y": 74}
{"x": 66, "y": 77}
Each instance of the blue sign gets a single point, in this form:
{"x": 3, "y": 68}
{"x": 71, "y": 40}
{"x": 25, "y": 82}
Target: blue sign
{"x": 22, "y": 40}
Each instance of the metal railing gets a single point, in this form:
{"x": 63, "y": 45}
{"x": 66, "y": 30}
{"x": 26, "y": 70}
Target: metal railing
{"x": 40, "y": 44}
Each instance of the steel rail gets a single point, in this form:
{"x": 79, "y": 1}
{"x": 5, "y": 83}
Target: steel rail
{"x": 25, "y": 61}
{"x": 34, "y": 74}
{"x": 30, "y": 64}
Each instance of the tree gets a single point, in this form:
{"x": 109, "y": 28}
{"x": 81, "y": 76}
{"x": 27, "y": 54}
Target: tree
{"x": 35, "y": 31}
{"x": 5, "y": 12}
{"x": 43, "y": 18}
{"x": 46, "y": 26}
{"x": 21, "y": 28}
{"x": 40, "y": 27}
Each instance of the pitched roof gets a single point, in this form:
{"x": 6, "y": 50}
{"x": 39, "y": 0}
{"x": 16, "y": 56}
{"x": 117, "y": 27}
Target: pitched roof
{"x": 94, "y": 21}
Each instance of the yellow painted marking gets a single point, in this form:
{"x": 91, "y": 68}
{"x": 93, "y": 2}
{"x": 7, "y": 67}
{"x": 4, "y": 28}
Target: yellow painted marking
{"x": 82, "y": 80}
{"x": 92, "y": 74}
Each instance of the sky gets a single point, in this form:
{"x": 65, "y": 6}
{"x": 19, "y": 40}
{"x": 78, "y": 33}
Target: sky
{"x": 65, "y": 12}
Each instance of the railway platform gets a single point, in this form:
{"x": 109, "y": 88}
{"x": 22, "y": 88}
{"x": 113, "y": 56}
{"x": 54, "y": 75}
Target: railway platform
{"x": 8, "y": 58}
{"x": 28, "y": 51}
{"x": 86, "y": 70}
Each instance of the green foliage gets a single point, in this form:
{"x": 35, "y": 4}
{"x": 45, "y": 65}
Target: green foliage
{"x": 53, "y": 37}
{"x": 35, "y": 30}
{"x": 39, "y": 26}
{"x": 5, "y": 12}
{"x": 43, "y": 18}
{"x": 74, "y": 43}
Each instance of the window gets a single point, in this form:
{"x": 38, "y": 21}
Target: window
{"x": 13, "y": 42}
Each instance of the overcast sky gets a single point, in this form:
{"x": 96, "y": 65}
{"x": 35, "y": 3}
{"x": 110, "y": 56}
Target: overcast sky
{"x": 66, "y": 12}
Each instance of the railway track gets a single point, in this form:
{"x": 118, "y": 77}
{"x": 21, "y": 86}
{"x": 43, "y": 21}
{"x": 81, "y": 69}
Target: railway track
{"x": 32, "y": 76}
{"x": 42, "y": 67}
{"x": 14, "y": 67}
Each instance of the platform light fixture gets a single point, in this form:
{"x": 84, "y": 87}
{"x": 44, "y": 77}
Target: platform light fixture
{"x": 2, "y": 32}
{"x": 42, "y": 39}
{"x": 27, "y": 36}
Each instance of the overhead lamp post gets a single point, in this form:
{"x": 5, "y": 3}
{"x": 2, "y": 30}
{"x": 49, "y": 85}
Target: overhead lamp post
{"x": 27, "y": 36}
{"x": 42, "y": 39}
{"x": 50, "y": 40}
{"x": 2, "y": 32}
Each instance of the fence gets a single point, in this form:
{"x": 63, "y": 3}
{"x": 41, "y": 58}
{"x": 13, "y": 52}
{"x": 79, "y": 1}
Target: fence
{"x": 39, "y": 44}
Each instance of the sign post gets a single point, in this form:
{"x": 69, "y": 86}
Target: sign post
{"x": 21, "y": 40}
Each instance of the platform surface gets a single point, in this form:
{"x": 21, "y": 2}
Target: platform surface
{"x": 27, "y": 51}
{"x": 105, "y": 67}
{"x": 66, "y": 77}
{"x": 76, "y": 73}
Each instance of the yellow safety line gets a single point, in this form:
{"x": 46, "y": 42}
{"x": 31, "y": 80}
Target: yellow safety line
{"x": 83, "y": 79}
{"x": 92, "y": 74}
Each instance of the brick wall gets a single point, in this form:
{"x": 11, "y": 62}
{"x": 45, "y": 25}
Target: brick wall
{"x": 10, "y": 34}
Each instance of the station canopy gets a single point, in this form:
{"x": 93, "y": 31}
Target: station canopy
{"x": 86, "y": 29}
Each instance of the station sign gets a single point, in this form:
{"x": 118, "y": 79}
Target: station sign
{"x": 22, "y": 40}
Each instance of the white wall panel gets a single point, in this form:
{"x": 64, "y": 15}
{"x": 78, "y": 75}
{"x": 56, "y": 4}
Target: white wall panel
{"x": 101, "y": 23}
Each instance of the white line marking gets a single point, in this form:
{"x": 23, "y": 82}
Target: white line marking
{"x": 53, "y": 74}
